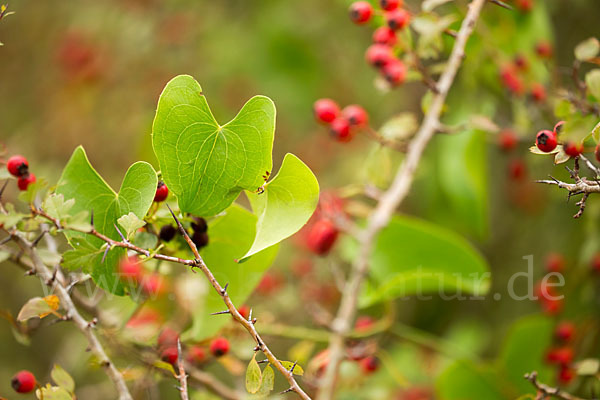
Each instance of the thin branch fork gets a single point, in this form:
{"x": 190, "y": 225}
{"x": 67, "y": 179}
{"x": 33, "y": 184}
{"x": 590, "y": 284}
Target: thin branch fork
{"x": 545, "y": 391}
{"x": 72, "y": 314}
{"x": 391, "y": 199}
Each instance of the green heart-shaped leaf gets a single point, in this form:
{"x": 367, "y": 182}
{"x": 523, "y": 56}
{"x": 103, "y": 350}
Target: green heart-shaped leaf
{"x": 81, "y": 182}
{"x": 286, "y": 204}
{"x": 207, "y": 165}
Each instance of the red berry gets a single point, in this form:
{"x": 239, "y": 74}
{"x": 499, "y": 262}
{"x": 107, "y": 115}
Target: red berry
{"x": 162, "y": 191}
{"x": 379, "y": 55}
{"x": 525, "y": 5}
{"x": 326, "y": 110}
{"x": 511, "y": 80}
{"x": 385, "y": 35}
{"x": 369, "y": 364}
{"x": 546, "y": 140}
{"x": 219, "y": 347}
{"x": 363, "y": 323}
{"x": 573, "y": 149}
{"x": 560, "y": 355}
{"x": 322, "y": 237}
{"x": 538, "y": 92}
{"x": 167, "y": 338}
{"x": 153, "y": 285}
{"x": 389, "y": 5}
{"x": 360, "y": 12}
{"x": 566, "y": 375}
{"x": 397, "y": 19}
{"x": 23, "y": 382}
{"x": 565, "y": 331}
{"x": 508, "y": 140}
{"x": 555, "y": 262}
{"x": 597, "y": 152}
{"x": 355, "y": 114}
{"x": 17, "y": 166}
{"x": 394, "y": 72}
{"x": 269, "y": 284}
{"x": 130, "y": 269}
{"x": 544, "y": 49}
{"x": 24, "y": 181}
{"x": 558, "y": 127}
{"x": 196, "y": 355}
{"x": 521, "y": 62}
{"x": 517, "y": 169}
{"x": 340, "y": 129}
{"x": 170, "y": 355}
{"x": 302, "y": 267}
{"x": 596, "y": 262}
{"x": 244, "y": 310}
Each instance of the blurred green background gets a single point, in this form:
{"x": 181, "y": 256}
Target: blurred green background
{"x": 90, "y": 73}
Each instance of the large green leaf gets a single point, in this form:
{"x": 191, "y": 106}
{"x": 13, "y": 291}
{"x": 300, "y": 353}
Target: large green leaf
{"x": 230, "y": 235}
{"x": 412, "y": 256}
{"x": 286, "y": 204}
{"x": 206, "y": 164}
{"x": 79, "y": 181}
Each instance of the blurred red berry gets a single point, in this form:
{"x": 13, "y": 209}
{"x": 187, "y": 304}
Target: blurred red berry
{"x": 379, "y": 55}
{"x": 565, "y": 331}
{"x": 394, "y": 72}
{"x": 360, "y": 12}
{"x": 544, "y": 49}
{"x": 153, "y": 285}
{"x": 566, "y": 375}
{"x": 322, "y": 236}
{"x": 23, "y": 382}
{"x": 389, "y": 5}
{"x": 219, "y": 347}
{"x": 397, "y": 19}
{"x": 597, "y": 152}
{"x": 573, "y": 149}
{"x": 369, "y": 364}
{"x": 558, "y": 127}
{"x": 508, "y": 140}
{"x": 340, "y": 129}
{"x": 269, "y": 284}
{"x": 131, "y": 269}
{"x": 356, "y": 115}
{"x": 546, "y": 140}
{"x": 538, "y": 93}
{"x": 302, "y": 267}
{"x": 517, "y": 169}
{"x": 555, "y": 262}
{"x": 196, "y": 355}
{"x": 167, "y": 338}
{"x": 364, "y": 323}
{"x": 521, "y": 62}
{"x": 26, "y": 180}
{"x": 384, "y": 35}
{"x": 170, "y": 355}
{"x": 162, "y": 191}
{"x": 326, "y": 110}
{"x": 17, "y": 166}
{"x": 244, "y": 311}
{"x": 525, "y": 5}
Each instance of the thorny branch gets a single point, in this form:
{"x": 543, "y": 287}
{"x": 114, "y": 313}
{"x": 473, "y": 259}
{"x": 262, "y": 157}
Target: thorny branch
{"x": 391, "y": 199}
{"x": 546, "y": 392}
{"x": 198, "y": 262}
{"x": 581, "y": 185}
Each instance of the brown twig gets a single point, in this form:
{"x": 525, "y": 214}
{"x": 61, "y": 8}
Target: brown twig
{"x": 214, "y": 385}
{"x": 391, "y": 199}
{"x": 181, "y": 376}
{"x": 545, "y": 391}
{"x": 40, "y": 269}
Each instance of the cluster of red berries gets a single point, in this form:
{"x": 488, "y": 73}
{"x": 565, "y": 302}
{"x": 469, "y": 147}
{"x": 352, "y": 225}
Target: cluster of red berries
{"x": 508, "y": 141}
{"x": 195, "y": 354}
{"x": 547, "y": 140}
{"x": 23, "y": 382}
{"x": 133, "y": 273}
{"x": 342, "y": 123}
{"x": 562, "y": 354}
{"x": 512, "y": 78}
{"x": 19, "y": 168}
{"x": 381, "y": 53}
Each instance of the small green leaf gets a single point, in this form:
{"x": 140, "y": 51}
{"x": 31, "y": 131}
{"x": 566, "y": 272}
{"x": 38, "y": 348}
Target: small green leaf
{"x": 288, "y": 365}
{"x": 166, "y": 366}
{"x": 587, "y": 49}
{"x": 131, "y": 223}
{"x": 53, "y": 393}
{"x": 82, "y": 256}
{"x": 268, "y": 382}
{"x": 253, "y": 376}
{"x": 400, "y": 127}
{"x": 204, "y": 163}
{"x": 12, "y": 217}
{"x": 62, "y": 378}
{"x": 588, "y": 367}
{"x": 145, "y": 240}
{"x": 286, "y": 204}
{"x": 34, "y": 308}
{"x": 33, "y": 190}
{"x": 592, "y": 80}
{"x": 56, "y": 206}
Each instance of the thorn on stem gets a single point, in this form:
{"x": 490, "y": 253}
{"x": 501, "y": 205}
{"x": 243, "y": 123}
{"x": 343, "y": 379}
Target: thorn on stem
{"x": 221, "y": 312}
